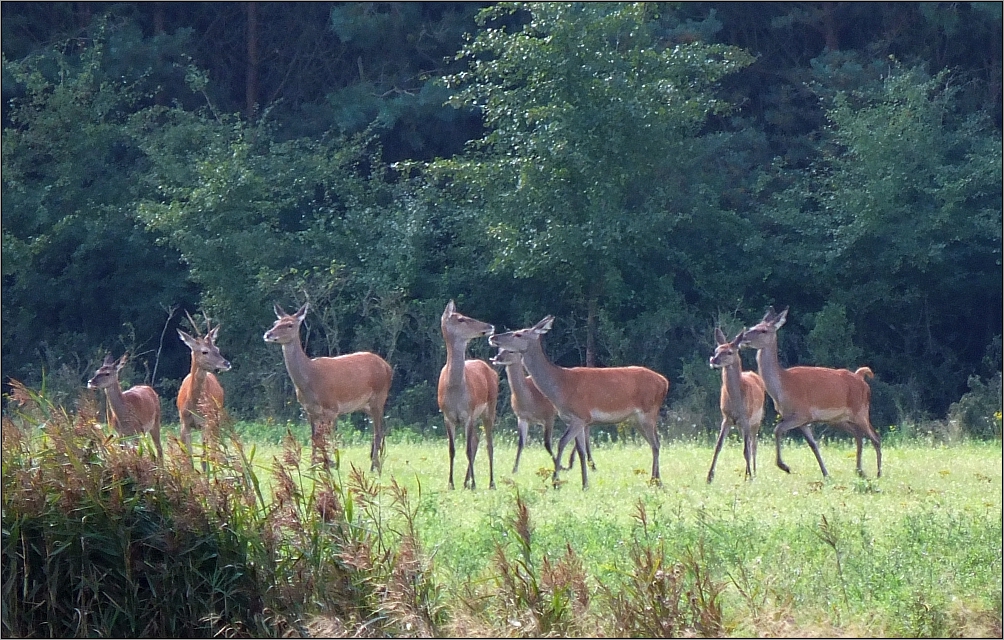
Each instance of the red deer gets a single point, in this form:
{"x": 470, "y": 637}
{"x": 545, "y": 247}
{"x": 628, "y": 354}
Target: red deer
{"x": 741, "y": 400}
{"x": 803, "y": 395}
{"x": 200, "y": 398}
{"x": 133, "y": 411}
{"x": 468, "y": 390}
{"x": 327, "y": 387}
{"x": 531, "y": 406}
{"x": 588, "y": 395}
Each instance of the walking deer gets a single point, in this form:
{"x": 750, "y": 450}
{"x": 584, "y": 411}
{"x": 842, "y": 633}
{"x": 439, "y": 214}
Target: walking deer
{"x": 803, "y": 395}
{"x": 468, "y": 390}
{"x": 588, "y": 395}
{"x": 133, "y": 411}
{"x": 327, "y": 387}
{"x": 200, "y": 398}
{"x": 741, "y": 400}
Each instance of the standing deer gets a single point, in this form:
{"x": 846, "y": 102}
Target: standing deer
{"x": 741, "y": 400}
{"x": 588, "y": 395}
{"x": 133, "y": 411}
{"x": 531, "y": 406}
{"x": 468, "y": 390}
{"x": 200, "y": 398}
{"x": 327, "y": 387}
{"x": 803, "y": 395}
{"x": 528, "y": 403}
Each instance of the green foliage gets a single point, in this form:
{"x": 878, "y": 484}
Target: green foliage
{"x": 978, "y": 411}
{"x": 79, "y": 270}
{"x": 831, "y": 341}
{"x": 590, "y": 159}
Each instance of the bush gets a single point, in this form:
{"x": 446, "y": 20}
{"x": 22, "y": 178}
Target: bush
{"x": 978, "y": 412}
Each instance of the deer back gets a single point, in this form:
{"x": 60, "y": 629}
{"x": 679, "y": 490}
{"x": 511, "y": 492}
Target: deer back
{"x": 142, "y": 411}
{"x": 345, "y": 383}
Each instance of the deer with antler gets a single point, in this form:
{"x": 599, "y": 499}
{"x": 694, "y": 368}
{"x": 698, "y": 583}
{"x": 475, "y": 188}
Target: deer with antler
{"x": 200, "y": 398}
{"x": 741, "y": 400}
{"x": 327, "y": 387}
{"x": 133, "y": 411}
{"x": 803, "y": 395}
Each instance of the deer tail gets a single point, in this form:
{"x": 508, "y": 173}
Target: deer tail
{"x": 864, "y": 373}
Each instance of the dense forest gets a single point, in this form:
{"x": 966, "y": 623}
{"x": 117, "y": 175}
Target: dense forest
{"x": 644, "y": 172}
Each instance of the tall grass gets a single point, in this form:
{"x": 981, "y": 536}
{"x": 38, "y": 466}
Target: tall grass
{"x": 99, "y": 540}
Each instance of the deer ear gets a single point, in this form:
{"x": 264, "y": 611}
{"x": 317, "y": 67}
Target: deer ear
{"x": 769, "y": 315}
{"x": 109, "y": 360}
{"x": 719, "y": 336}
{"x": 279, "y": 311}
{"x": 302, "y": 313}
{"x": 780, "y": 319}
{"x": 739, "y": 338}
{"x": 213, "y": 333}
{"x": 122, "y": 361}
{"x": 187, "y": 339}
{"x": 450, "y": 308}
{"x": 544, "y": 325}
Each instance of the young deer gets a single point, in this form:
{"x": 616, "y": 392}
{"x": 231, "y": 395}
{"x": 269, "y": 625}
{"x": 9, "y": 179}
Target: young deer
{"x": 200, "y": 398}
{"x": 803, "y": 395}
{"x": 528, "y": 403}
{"x": 468, "y": 390}
{"x": 327, "y": 387}
{"x": 531, "y": 407}
{"x": 133, "y": 411}
{"x": 588, "y": 395}
{"x": 741, "y": 400}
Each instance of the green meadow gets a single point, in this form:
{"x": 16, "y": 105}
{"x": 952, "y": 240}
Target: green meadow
{"x": 916, "y": 552}
{"x": 100, "y": 539}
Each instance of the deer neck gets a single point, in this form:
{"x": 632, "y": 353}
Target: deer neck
{"x": 116, "y": 401}
{"x": 732, "y": 378}
{"x": 770, "y": 370}
{"x": 456, "y": 350}
{"x": 198, "y": 382}
{"x": 517, "y": 379}
{"x": 298, "y": 364}
{"x": 546, "y": 375}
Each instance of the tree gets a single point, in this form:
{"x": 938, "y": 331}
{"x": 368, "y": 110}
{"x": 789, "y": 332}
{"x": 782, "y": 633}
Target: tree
{"x": 899, "y": 222}
{"x": 592, "y": 125}
{"x": 80, "y": 274}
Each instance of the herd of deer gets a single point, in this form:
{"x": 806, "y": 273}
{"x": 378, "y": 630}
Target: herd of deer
{"x": 541, "y": 391}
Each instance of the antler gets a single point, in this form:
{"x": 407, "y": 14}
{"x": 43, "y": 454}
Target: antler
{"x": 195, "y": 326}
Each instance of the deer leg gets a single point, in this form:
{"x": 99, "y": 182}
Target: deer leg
{"x": 571, "y": 431}
{"x": 472, "y": 449}
{"x": 489, "y": 423}
{"x": 548, "y": 431}
{"x": 521, "y": 429}
{"x": 377, "y": 450}
{"x": 858, "y": 442}
{"x": 580, "y": 446}
{"x": 782, "y": 428}
{"x": 186, "y": 439}
{"x": 723, "y": 431}
{"x": 651, "y": 433}
{"x": 807, "y": 432}
{"x": 878, "y": 454}
{"x": 451, "y": 435}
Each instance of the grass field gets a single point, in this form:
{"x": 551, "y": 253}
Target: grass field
{"x": 101, "y": 539}
{"x": 914, "y": 553}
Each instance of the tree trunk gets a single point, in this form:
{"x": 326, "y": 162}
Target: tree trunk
{"x": 251, "y": 83}
{"x": 591, "y": 332}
